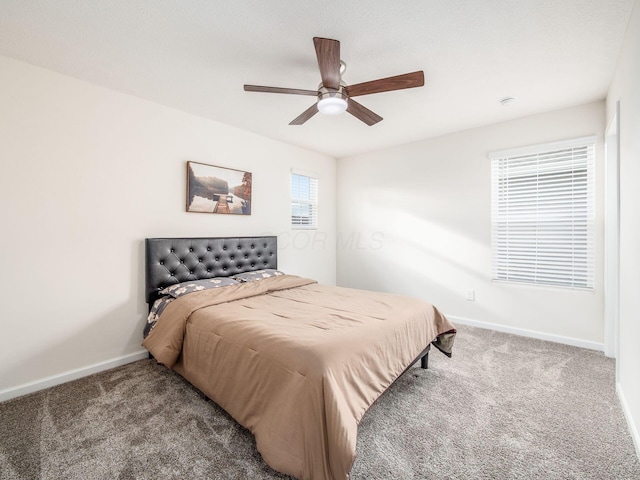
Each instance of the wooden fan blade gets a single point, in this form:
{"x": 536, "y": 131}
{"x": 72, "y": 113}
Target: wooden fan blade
{"x": 293, "y": 91}
{"x": 363, "y": 113}
{"x": 399, "y": 82}
{"x": 306, "y": 115}
{"x": 328, "y": 53}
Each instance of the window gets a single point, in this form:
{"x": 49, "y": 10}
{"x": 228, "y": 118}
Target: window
{"x": 304, "y": 201}
{"x": 542, "y": 214}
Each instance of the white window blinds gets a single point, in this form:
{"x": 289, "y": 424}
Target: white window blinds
{"x": 543, "y": 214}
{"x": 304, "y": 201}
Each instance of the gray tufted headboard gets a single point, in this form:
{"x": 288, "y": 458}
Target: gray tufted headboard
{"x": 175, "y": 260}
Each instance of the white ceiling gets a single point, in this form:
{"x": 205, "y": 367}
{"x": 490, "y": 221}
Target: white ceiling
{"x": 195, "y": 55}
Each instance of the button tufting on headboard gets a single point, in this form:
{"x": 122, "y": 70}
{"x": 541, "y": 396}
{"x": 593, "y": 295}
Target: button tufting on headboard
{"x": 174, "y": 260}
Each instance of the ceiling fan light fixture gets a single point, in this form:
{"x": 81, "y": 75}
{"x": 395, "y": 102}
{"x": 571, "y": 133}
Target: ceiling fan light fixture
{"x": 332, "y": 102}
{"x": 332, "y": 105}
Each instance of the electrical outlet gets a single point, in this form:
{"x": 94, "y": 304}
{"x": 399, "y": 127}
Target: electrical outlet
{"x": 471, "y": 295}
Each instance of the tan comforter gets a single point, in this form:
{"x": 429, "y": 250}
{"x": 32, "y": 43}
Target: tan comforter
{"x": 295, "y": 362}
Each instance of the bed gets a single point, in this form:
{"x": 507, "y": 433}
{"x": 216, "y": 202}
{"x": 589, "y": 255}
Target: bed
{"x": 295, "y": 362}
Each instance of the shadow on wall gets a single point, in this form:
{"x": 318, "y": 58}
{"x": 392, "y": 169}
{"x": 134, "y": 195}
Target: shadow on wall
{"x": 417, "y": 257}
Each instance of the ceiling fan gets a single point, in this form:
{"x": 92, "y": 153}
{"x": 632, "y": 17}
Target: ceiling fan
{"x": 333, "y": 95}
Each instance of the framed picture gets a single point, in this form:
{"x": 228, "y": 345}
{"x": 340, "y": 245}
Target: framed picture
{"x": 212, "y": 189}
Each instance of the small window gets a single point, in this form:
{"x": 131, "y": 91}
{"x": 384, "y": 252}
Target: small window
{"x": 542, "y": 214}
{"x": 304, "y": 201}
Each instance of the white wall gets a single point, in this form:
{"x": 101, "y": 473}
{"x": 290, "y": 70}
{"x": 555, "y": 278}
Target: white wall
{"x": 416, "y": 219}
{"x": 626, "y": 88}
{"x": 87, "y": 174}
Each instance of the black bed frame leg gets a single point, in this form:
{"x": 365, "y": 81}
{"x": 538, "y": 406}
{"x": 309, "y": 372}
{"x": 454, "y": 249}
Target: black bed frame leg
{"x": 424, "y": 361}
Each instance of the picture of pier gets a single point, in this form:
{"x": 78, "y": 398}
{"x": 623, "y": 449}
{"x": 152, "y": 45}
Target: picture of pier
{"x": 212, "y": 189}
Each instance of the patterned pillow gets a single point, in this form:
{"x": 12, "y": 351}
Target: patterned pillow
{"x": 183, "y": 288}
{"x": 257, "y": 275}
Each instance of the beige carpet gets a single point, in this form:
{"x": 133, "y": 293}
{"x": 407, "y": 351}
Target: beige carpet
{"x": 504, "y": 407}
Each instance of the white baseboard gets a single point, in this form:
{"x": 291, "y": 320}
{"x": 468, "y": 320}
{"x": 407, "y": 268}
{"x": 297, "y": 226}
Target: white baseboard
{"x": 576, "y": 342}
{"x": 633, "y": 429}
{"x": 54, "y": 380}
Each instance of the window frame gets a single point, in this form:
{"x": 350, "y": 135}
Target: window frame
{"x": 307, "y": 199}
{"x": 532, "y": 240}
